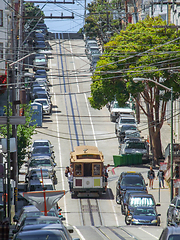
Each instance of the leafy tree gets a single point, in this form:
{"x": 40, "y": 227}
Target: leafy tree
{"x": 24, "y": 134}
{"x": 142, "y": 51}
{"x": 30, "y": 11}
{"x": 100, "y": 20}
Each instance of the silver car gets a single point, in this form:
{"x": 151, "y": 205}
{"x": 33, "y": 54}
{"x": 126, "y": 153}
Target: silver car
{"x": 134, "y": 147}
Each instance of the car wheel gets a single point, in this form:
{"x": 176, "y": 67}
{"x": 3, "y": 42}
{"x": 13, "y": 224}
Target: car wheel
{"x": 118, "y": 201}
{"x": 127, "y": 221}
{"x": 122, "y": 209}
{"x": 159, "y": 222}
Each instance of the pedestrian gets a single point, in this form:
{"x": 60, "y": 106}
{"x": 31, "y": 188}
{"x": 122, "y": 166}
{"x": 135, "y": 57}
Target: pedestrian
{"x": 151, "y": 176}
{"x": 70, "y": 180}
{"x": 160, "y": 175}
{"x": 66, "y": 171}
{"x": 105, "y": 176}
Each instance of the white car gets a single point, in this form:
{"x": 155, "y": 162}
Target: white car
{"x": 124, "y": 119}
{"x": 45, "y": 105}
{"x": 116, "y": 110}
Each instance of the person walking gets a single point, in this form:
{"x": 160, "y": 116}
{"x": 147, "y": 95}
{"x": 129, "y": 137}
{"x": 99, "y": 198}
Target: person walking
{"x": 105, "y": 176}
{"x": 160, "y": 175}
{"x": 151, "y": 176}
{"x": 70, "y": 180}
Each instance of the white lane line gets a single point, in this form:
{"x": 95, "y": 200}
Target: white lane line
{"x": 79, "y": 233}
{"x": 59, "y": 148}
{"x": 90, "y": 119}
{"x": 148, "y": 233}
{"x": 74, "y": 66}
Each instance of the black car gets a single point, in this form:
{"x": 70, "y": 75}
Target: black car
{"x": 41, "y": 235}
{"x": 170, "y": 233}
{"x": 42, "y": 151}
{"x": 138, "y": 200}
{"x": 173, "y": 212}
{"x": 144, "y": 216}
{"x": 40, "y": 45}
{"x": 124, "y": 199}
{"x": 129, "y": 181}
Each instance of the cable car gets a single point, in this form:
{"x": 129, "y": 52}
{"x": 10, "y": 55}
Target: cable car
{"x": 87, "y": 163}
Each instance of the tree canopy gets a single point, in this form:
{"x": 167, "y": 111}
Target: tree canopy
{"x": 144, "y": 50}
{"x": 24, "y": 134}
{"x": 100, "y": 22}
{"x": 30, "y": 10}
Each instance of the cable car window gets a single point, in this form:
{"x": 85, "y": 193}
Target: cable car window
{"x": 87, "y": 169}
{"x": 78, "y": 169}
{"x": 88, "y": 156}
{"x": 96, "y": 169}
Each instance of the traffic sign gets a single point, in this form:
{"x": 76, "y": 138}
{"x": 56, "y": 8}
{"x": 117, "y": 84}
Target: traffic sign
{"x": 14, "y": 120}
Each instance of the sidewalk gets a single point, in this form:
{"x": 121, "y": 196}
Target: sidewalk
{"x": 163, "y": 195}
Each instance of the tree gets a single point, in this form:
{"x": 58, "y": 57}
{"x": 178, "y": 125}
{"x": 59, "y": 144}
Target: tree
{"x": 99, "y": 22}
{"x": 24, "y": 134}
{"x": 142, "y": 50}
{"x": 31, "y": 11}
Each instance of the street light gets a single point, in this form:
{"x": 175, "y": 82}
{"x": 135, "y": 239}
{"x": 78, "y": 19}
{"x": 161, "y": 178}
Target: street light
{"x": 170, "y": 90}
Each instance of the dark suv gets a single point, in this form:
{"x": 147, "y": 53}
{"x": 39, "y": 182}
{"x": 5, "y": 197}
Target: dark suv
{"x": 129, "y": 181}
{"x": 173, "y": 212}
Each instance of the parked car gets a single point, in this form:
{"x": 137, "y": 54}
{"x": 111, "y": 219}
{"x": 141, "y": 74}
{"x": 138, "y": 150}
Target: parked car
{"x": 40, "y": 63}
{"x": 125, "y": 197}
{"x": 89, "y": 43}
{"x": 38, "y": 173}
{"x": 144, "y": 216}
{"x": 135, "y": 147}
{"x": 40, "y": 72}
{"x": 39, "y": 45}
{"x": 132, "y": 134}
{"x": 41, "y": 235}
{"x": 170, "y": 233}
{"x": 124, "y": 119}
{"x": 116, "y": 110}
{"x": 129, "y": 181}
{"x": 138, "y": 200}
{"x": 37, "y": 89}
{"x": 173, "y": 212}
{"x": 45, "y": 104}
{"x": 39, "y": 36}
{"x": 40, "y": 184}
{"x": 41, "y": 162}
{"x": 32, "y": 211}
{"x": 37, "y": 220}
{"x": 41, "y": 142}
{"x": 122, "y": 131}
{"x": 93, "y": 50}
{"x": 44, "y": 151}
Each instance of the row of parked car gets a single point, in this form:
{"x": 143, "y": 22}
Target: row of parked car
{"x": 92, "y": 51}
{"x": 41, "y": 175}
{"x": 137, "y": 205}
{"x": 126, "y": 130}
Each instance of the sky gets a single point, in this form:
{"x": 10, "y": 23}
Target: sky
{"x": 64, "y": 25}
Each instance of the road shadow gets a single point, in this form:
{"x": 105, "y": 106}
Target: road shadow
{"x": 108, "y": 195}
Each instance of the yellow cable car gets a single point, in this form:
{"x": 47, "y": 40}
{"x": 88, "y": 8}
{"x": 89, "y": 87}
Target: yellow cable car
{"x": 88, "y": 165}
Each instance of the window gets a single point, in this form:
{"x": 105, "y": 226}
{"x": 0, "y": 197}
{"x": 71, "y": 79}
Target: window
{"x": 1, "y": 50}
{"x": 96, "y": 169}
{"x": 78, "y": 169}
{"x": 1, "y": 18}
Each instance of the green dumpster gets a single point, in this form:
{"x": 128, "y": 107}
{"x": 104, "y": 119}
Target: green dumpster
{"x": 139, "y": 158}
{"x": 135, "y": 159}
{"x": 130, "y": 159}
{"x": 122, "y": 160}
{"x": 116, "y": 159}
{"x": 125, "y": 160}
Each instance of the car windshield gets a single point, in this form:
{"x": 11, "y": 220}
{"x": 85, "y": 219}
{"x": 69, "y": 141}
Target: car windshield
{"x": 44, "y": 150}
{"x": 42, "y": 221}
{"x": 132, "y": 134}
{"x": 43, "y": 102}
{"x": 40, "y": 187}
{"x": 42, "y": 162}
{"x": 40, "y": 60}
{"x": 145, "y": 211}
{"x": 116, "y": 105}
{"x": 141, "y": 201}
{"x": 37, "y": 144}
{"x": 43, "y": 236}
{"x": 95, "y": 51}
{"x": 126, "y": 120}
{"x": 39, "y": 175}
{"x": 132, "y": 181}
{"x": 174, "y": 237}
{"x": 136, "y": 145}
{"x": 127, "y": 127}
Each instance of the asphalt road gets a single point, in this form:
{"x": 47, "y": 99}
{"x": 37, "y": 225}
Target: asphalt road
{"x": 73, "y": 122}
